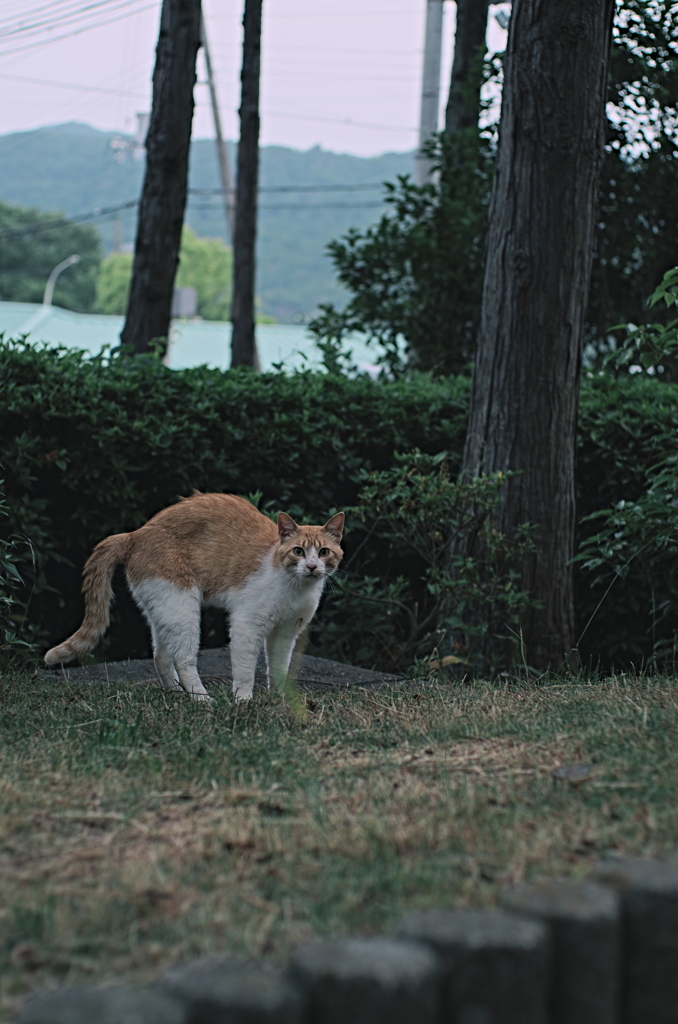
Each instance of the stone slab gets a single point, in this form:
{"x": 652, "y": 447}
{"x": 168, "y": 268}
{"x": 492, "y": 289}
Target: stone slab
{"x": 214, "y": 666}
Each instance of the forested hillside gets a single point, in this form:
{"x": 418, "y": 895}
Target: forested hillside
{"x": 71, "y": 168}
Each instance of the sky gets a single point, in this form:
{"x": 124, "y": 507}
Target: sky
{"x": 341, "y": 74}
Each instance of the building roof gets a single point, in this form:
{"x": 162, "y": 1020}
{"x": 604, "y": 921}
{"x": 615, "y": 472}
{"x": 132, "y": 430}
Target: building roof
{"x": 192, "y": 342}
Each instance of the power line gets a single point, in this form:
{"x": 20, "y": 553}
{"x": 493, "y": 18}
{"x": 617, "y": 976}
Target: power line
{"x": 346, "y": 122}
{"x": 109, "y": 211}
{"x": 73, "y": 85}
{"x": 77, "y": 31}
{"x": 294, "y": 188}
{"x": 78, "y": 218}
{"x": 301, "y": 206}
{"x": 62, "y": 18}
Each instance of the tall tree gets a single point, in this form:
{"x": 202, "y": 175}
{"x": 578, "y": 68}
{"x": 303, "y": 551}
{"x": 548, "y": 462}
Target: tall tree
{"x": 463, "y": 101}
{"x": 163, "y": 196}
{"x": 32, "y": 243}
{"x": 539, "y": 245}
{"x": 243, "y": 348}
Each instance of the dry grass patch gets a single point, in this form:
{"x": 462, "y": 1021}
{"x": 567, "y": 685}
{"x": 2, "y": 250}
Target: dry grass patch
{"x": 136, "y": 830}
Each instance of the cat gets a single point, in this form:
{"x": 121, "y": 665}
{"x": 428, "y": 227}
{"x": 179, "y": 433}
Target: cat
{"x": 218, "y": 550}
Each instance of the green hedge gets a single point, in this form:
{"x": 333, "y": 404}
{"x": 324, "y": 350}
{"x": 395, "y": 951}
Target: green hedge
{"x": 90, "y": 449}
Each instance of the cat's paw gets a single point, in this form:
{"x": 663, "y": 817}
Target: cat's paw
{"x": 204, "y": 697}
{"x": 242, "y": 697}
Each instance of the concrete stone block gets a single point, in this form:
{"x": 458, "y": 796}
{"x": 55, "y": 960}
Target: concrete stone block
{"x": 230, "y": 992}
{"x": 368, "y": 981}
{"x": 649, "y": 898}
{"x": 495, "y": 965}
{"x": 116, "y": 1004}
{"x": 585, "y": 924}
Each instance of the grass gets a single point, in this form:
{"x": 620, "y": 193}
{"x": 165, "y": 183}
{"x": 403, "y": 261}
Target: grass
{"x": 137, "y": 829}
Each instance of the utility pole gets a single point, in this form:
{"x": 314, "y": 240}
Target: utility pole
{"x": 430, "y": 87}
{"x": 222, "y": 154}
{"x": 163, "y": 196}
{"x": 243, "y": 347}
{"x": 467, "y": 67}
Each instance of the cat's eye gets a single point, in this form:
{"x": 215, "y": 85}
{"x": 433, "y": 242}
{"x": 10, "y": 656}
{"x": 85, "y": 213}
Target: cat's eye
{"x": 297, "y": 551}
{"x": 324, "y": 552}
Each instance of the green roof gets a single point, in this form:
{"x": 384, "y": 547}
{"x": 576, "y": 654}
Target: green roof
{"x": 192, "y": 342}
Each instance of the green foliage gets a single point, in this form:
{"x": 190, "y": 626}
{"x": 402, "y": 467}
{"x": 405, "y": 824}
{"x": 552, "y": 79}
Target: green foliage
{"x": 92, "y": 449}
{"x": 632, "y": 545}
{"x": 637, "y": 233}
{"x": 652, "y": 347}
{"x": 417, "y": 274}
{"x": 11, "y": 611}
{"x": 71, "y": 167}
{"x": 113, "y": 283}
{"x": 204, "y": 264}
{"x": 417, "y": 513}
{"x": 32, "y": 244}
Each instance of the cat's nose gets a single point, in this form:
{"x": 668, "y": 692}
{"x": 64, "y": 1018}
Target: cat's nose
{"x": 311, "y": 566}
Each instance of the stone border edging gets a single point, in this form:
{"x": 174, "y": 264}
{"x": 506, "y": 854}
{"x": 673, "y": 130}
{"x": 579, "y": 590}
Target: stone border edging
{"x": 600, "y": 951}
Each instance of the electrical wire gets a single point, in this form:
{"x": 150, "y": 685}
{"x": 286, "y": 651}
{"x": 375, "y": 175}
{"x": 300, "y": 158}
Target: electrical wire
{"x": 292, "y": 188}
{"x": 73, "y": 85}
{"x": 77, "y": 31}
{"x": 110, "y": 211}
{"x": 78, "y": 218}
{"x": 62, "y": 18}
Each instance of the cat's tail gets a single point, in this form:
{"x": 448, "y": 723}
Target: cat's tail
{"x": 96, "y": 586}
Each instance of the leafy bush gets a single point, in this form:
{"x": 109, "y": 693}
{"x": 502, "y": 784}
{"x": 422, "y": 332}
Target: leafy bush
{"x": 413, "y": 516}
{"x": 204, "y": 264}
{"x": 11, "y": 611}
{"x": 417, "y": 274}
{"x": 631, "y": 547}
{"x": 91, "y": 448}
{"x": 33, "y": 243}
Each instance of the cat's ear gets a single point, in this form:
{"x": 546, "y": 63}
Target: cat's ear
{"x": 286, "y": 526}
{"x": 335, "y": 526}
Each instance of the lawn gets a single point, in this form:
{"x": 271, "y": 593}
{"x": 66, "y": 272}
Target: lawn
{"x": 137, "y": 829}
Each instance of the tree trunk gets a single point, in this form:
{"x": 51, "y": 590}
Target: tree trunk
{"x": 463, "y": 103}
{"x": 526, "y": 380}
{"x": 163, "y": 196}
{"x": 243, "y": 348}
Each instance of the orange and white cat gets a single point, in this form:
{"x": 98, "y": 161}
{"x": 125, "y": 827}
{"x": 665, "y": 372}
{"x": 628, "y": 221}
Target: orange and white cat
{"x": 212, "y": 549}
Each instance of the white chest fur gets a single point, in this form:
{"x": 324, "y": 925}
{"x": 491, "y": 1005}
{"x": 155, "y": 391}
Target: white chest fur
{"x": 270, "y": 609}
{"x": 273, "y": 597}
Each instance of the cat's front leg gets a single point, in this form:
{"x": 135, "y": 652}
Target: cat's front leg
{"x": 245, "y": 646}
{"x": 279, "y": 647}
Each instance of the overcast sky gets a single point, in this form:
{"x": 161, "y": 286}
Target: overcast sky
{"x": 342, "y": 74}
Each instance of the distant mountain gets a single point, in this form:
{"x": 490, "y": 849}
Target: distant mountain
{"x": 73, "y": 169}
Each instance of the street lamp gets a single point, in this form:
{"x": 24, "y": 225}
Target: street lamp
{"x": 51, "y": 280}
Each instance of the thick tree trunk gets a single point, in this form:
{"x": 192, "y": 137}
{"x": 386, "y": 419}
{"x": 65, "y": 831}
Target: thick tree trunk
{"x": 163, "y": 196}
{"x": 526, "y": 381}
{"x": 463, "y": 102}
{"x": 243, "y": 349}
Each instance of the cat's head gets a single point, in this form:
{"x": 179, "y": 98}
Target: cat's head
{"x": 310, "y": 552}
